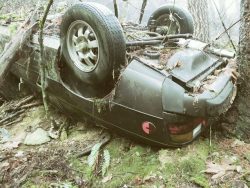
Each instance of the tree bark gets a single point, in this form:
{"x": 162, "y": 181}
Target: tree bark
{"x": 199, "y": 11}
{"x": 243, "y": 105}
{"x": 238, "y": 118}
{"x": 12, "y": 50}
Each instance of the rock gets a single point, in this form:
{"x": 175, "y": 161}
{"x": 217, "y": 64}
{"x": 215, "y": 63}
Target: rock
{"x": 38, "y": 137}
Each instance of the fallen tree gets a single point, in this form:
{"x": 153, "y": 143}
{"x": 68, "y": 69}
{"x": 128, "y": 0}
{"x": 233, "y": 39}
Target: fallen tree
{"x": 14, "y": 48}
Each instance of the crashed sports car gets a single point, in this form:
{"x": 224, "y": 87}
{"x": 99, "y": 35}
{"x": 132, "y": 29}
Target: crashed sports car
{"x": 155, "y": 83}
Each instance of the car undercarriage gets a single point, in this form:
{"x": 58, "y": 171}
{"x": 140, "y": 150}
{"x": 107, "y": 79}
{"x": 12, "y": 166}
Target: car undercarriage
{"x": 154, "y": 83}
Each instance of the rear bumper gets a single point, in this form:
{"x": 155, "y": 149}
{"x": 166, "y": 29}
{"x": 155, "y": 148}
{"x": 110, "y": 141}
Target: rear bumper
{"x": 222, "y": 102}
{"x": 215, "y": 100}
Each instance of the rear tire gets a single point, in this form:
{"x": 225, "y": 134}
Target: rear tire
{"x": 93, "y": 43}
{"x": 171, "y": 19}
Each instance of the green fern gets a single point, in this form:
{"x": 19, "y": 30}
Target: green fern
{"x": 106, "y": 162}
{"x": 92, "y": 158}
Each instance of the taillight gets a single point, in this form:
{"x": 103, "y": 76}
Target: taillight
{"x": 182, "y": 128}
{"x": 186, "y": 132}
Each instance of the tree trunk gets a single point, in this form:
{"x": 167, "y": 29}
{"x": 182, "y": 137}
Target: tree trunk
{"x": 238, "y": 118}
{"x": 11, "y": 51}
{"x": 199, "y": 11}
{"x": 243, "y": 105}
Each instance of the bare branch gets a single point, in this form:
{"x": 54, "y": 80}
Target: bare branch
{"x": 42, "y": 57}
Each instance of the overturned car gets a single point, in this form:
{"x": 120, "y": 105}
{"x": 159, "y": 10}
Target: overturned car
{"x": 155, "y": 83}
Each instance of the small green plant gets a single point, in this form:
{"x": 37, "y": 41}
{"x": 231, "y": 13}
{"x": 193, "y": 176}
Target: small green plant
{"x": 106, "y": 162}
{"x": 94, "y": 159}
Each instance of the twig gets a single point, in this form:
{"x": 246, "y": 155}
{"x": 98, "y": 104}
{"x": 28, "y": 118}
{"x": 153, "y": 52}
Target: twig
{"x": 42, "y": 61}
{"x": 12, "y": 116}
{"x": 115, "y": 8}
{"x": 26, "y": 100}
{"x": 31, "y": 105}
{"x": 105, "y": 138}
{"x": 231, "y": 27}
{"x": 224, "y": 26}
{"x": 21, "y": 180}
{"x": 144, "y": 4}
{"x": 14, "y": 122}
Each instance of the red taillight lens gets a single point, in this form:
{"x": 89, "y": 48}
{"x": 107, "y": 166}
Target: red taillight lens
{"x": 182, "y": 128}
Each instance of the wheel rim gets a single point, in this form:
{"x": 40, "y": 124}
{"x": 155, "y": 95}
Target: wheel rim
{"x": 168, "y": 24}
{"x": 83, "y": 46}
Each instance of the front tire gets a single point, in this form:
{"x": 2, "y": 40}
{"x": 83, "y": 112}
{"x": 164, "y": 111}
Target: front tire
{"x": 93, "y": 43}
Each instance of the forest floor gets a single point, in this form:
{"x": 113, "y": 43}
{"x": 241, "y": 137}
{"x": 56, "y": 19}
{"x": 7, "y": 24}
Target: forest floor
{"x": 216, "y": 161}
{"x": 207, "y": 162}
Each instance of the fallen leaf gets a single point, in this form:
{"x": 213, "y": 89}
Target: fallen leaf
{"x": 220, "y": 170}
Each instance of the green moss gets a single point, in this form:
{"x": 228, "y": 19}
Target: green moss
{"x": 13, "y": 28}
{"x": 130, "y": 163}
{"x": 81, "y": 168}
{"x": 133, "y": 166}
{"x": 187, "y": 165}
{"x": 127, "y": 166}
{"x": 201, "y": 181}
